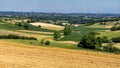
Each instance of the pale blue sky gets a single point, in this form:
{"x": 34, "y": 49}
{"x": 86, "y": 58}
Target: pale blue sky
{"x": 64, "y": 6}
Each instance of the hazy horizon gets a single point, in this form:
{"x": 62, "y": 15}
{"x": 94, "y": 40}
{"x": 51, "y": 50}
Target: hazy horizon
{"x": 61, "y": 6}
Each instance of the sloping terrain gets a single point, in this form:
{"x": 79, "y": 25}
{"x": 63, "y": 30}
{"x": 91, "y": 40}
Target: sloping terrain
{"x": 13, "y": 55}
{"x": 48, "y": 26}
{"x": 6, "y": 32}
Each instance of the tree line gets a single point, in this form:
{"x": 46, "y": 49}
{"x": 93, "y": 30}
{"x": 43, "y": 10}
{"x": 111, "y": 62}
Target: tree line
{"x": 90, "y": 41}
{"x": 12, "y": 36}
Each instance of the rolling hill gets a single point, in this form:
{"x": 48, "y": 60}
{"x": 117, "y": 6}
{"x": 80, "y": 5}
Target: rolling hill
{"x": 14, "y": 55}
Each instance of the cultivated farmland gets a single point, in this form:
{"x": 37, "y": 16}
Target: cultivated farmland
{"x": 13, "y": 55}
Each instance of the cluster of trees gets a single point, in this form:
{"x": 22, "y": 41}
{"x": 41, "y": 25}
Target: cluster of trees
{"x": 73, "y": 18}
{"x": 57, "y": 35}
{"x": 11, "y": 36}
{"x": 67, "y": 30}
{"x": 117, "y": 39}
{"x": 89, "y": 41}
{"x": 46, "y": 42}
{"x": 110, "y": 48}
{"x": 116, "y": 27}
{"x": 22, "y": 25}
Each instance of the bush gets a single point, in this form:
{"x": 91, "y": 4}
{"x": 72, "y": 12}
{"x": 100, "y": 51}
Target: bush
{"x": 117, "y": 39}
{"x": 11, "y": 36}
{"x": 105, "y": 39}
{"x": 67, "y": 30}
{"x": 26, "y": 26}
{"x": 47, "y": 42}
{"x": 42, "y": 41}
{"x": 109, "y": 47}
{"x": 39, "y": 26}
{"x": 19, "y": 24}
{"x": 57, "y": 35}
{"x": 116, "y": 50}
{"x": 115, "y": 27}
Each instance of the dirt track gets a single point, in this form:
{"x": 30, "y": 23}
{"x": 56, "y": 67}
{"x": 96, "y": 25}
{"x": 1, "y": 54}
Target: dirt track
{"x": 14, "y": 55}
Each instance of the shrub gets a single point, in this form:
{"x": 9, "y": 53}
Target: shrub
{"x": 109, "y": 47}
{"x": 117, "y": 39}
{"x": 47, "y": 42}
{"x": 19, "y": 24}
{"x": 11, "y": 36}
{"x": 115, "y": 27}
{"x": 26, "y": 26}
{"x": 99, "y": 39}
{"x": 42, "y": 41}
{"x": 39, "y": 26}
{"x": 105, "y": 39}
{"x": 67, "y": 30}
{"x": 116, "y": 50}
{"x": 57, "y": 35}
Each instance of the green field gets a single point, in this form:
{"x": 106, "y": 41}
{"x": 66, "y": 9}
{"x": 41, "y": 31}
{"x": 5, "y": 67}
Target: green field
{"x": 78, "y": 32}
{"x": 110, "y": 34}
{"x": 10, "y": 26}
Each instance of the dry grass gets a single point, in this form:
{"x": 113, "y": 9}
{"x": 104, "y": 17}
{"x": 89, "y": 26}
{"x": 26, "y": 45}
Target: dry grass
{"x": 13, "y": 55}
{"x": 15, "y": 20}
{"x": 48, "y": 26}
{"x": 35, "y": 32}
{"x": 68, "y": 42}
{"x": 117, "y": 45}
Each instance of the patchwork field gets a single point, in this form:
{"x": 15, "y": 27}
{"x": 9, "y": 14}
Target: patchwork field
{"x": 22, "y": 33}
{"x": 13, "y": 55}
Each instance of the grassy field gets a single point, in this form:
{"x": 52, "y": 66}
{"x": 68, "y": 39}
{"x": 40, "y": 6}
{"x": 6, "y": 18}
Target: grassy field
{"x": 14, "y": 55}
{"x": 102, "y": 30}
{"x": 110, "y": 34}
{"x": 10, "y": 26}
{"x": 78, "y": 32}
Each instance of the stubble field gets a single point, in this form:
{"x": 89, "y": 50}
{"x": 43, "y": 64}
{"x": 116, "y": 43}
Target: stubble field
{"x": 14, "y": 55}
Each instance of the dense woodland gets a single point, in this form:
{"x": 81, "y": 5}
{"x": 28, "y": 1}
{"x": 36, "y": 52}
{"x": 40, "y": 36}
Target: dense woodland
{"x": 72, "y": 18}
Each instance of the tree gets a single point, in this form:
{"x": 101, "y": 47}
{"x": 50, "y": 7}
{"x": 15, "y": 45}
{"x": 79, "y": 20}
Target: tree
{"x": 105, "y": 39}
{"x": 0, "y": 20}
{"x": 116, "y": 39}
{"x": 99, "y": 39}
{"x": 90, "y": 41}
{"x": 42, "y": 41}
{"x": 19, "y": 24}
{"x": 39, "y": 26}
{"x": 57, "y": 35}
{"x": 67, "y": 30}
{"x": 109, "y": 47}
{"x": 47, "y": 42}
{"x": 26, "y": 26}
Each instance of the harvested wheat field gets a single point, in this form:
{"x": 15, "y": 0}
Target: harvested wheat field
{"x": 13, "y": 55}
{"x": 48, "y": 26}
